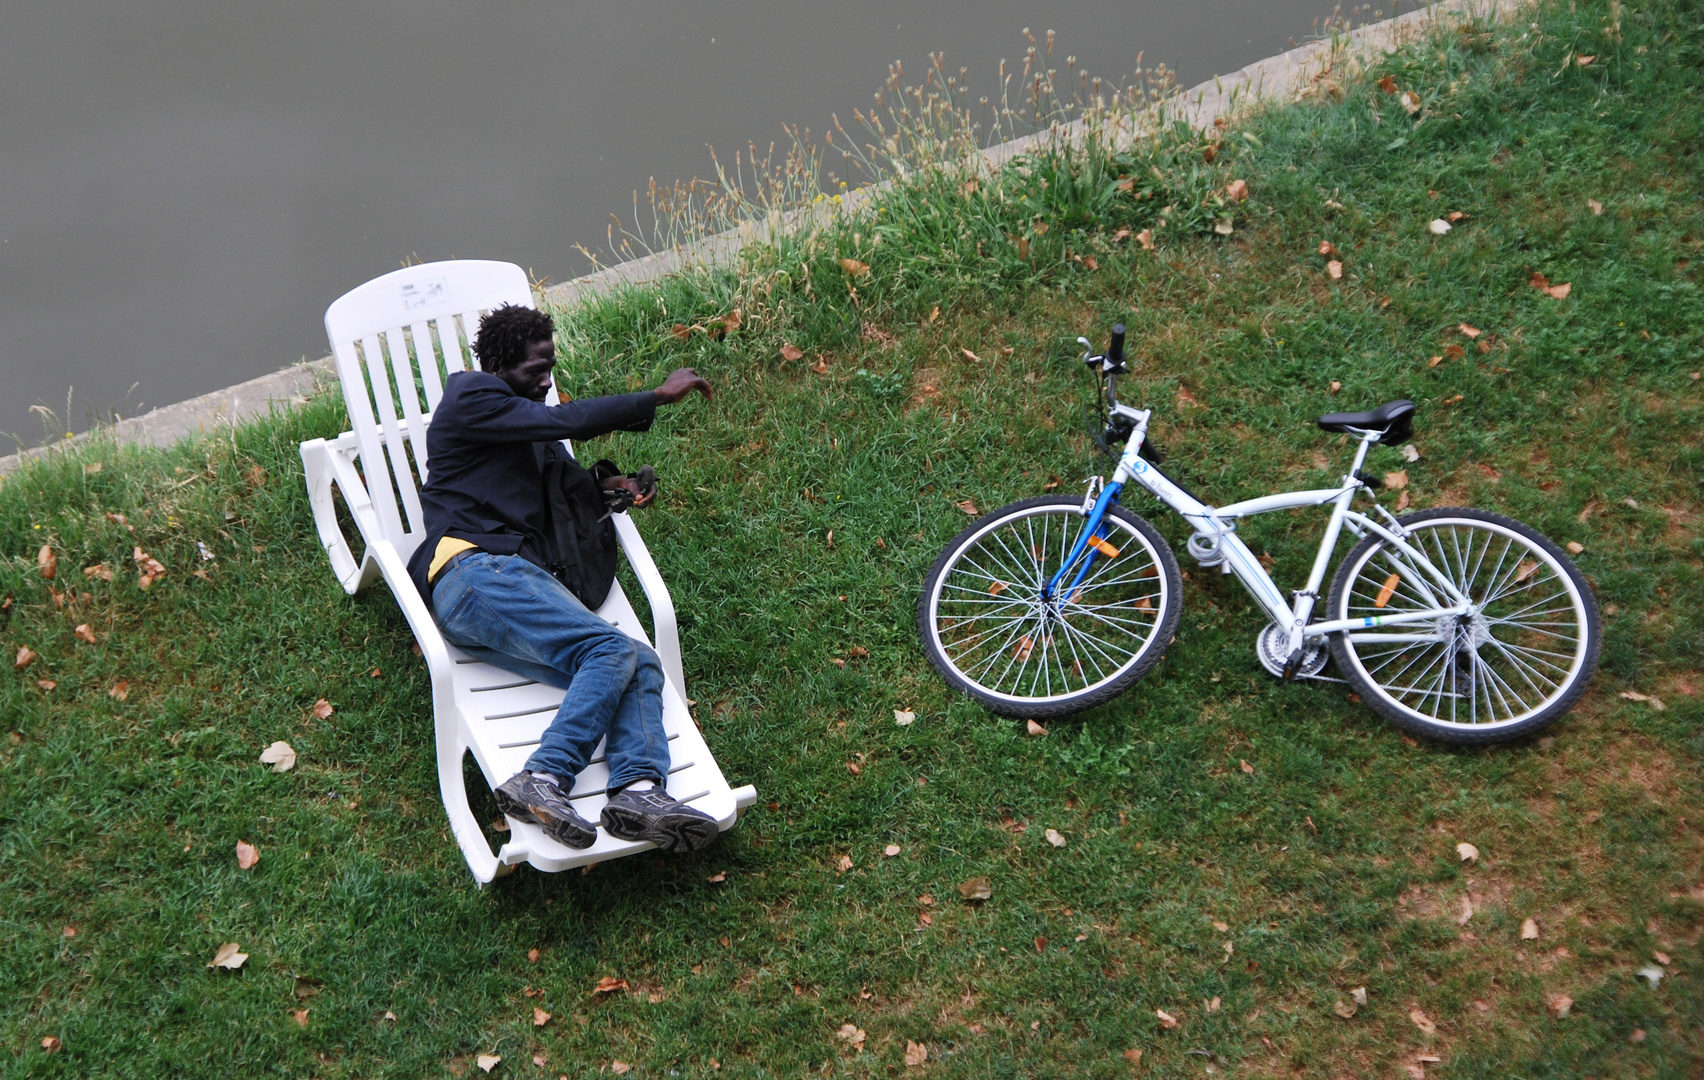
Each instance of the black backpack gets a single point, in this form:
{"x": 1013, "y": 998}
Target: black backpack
{"x": 582, "y": 529}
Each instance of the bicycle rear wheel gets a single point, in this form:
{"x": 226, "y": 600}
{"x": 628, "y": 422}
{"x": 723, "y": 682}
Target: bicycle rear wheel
{"x": 1515, "y": 666}
{"x": 989, "y": 630}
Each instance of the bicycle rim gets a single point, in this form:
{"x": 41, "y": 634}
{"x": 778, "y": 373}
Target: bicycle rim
{"x": 995, "y": 629}
{"x": 1523, "y": 651}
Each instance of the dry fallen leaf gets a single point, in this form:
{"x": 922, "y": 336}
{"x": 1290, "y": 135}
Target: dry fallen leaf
{"x": 1574, "y": 547}
{"x": 1146, "y": 239}
{"x": 1470, "y": 331}
{"x": 50, "y": 1043}
{"x": 609, "y": 984}
{"x": 1328, "y": 249}
{"x": 1335, "y": 386}
{"x": 26, "y": 657}
{"x": 1237, "y": 191}
{"x": 323, "y": 709}
{"x": 228, "y": 957}
{"x": 280, "y": 755}
{"x": 1213, "y": 1005}
{"x": 976, "y": 889}
{"x": 1397, "y": 480}
{"x": 1245, "y": 767}
{"x": 1652, "y": 974}
{"x": 718, "y": 877}
{"x": 487, "y": 1062}
{"x": 1422, "y": 1021}
{"x": 1584, "y": 60}
{"x": 47, "y": 562}
{"x": 1133, "y": 1056}
{"x": 83, "y": 633}
{"x": 904, "y": 717}
{"x": 790, "y": 351}
{"x": 540, "y": 1017}
{"x": 98, "y": 570}
{"x": 891, "y": 850}
{"x": 1033, "y": 728}
{"x": 532, "y": 956}
{"x": 1167, "y": 1020}
{"x": 1410, "y": 101}
{"x": 972, "y": 357}
{"x": 120, "y": 690}
{"x": 247, "y": 855}
{"x": 1439, "y": 226}
{"x": 1595, "y": 207}
{"x": 1334, "y": 270}
{"x": 1529, "y": 930}
{"x": 853, "y": 1034}
{"x": 969, "y": 507}
{"x": 1454, "y": 216}
{"x": 842, "y": 863}
{"x": 300, "y": 1016}
{"x": 1388, "y": 84}
{"x": 1054, "y": 838}
{"x": 47, "y": 684}
{"x": 1560, "y": 1004}
{"x": 1359, "y": 995}
{"x": 854, "y": 267}
{"x": 821, "y": 366}
{"x": 1344, "y": 1009}
{"x": 1466, "y": 911}
{"x": 915, "y": 1054}
{"x": 1467, "y": 851}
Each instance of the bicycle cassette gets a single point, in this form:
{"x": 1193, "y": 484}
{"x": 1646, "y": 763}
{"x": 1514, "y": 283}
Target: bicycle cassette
{"x": 1273, "y": 648}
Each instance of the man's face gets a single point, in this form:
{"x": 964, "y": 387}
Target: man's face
{"x": 531, "y": 377}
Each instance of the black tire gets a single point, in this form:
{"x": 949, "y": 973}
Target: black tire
{"x": 1538, "y": 625}
{"x": 1136, "y": 609}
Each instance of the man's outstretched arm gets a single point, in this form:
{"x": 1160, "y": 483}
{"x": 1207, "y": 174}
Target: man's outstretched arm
{"x": 488, "y": 414}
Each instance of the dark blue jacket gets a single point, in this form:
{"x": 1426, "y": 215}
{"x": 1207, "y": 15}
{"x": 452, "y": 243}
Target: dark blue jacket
{"x": 485, "y": 450}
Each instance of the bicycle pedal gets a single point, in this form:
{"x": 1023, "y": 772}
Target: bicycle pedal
{"x": 1293, "y": 664}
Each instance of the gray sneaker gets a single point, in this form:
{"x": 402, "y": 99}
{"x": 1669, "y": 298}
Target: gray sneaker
{"x": 655, "y": 816}
{"x": 526, "y": 797}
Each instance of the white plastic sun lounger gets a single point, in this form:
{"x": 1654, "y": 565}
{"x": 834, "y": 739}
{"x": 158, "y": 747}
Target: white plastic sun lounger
{"x": 395, "y": 340}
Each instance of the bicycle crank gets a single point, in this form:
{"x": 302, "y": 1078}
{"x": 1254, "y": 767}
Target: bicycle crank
{"x": 1273, "y": 648}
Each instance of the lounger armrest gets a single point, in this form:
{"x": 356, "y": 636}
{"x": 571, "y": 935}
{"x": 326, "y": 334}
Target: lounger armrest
{"x": 663, "y": 629}
{"x": 452, "y": 737}
{"x": 324, "y": 464}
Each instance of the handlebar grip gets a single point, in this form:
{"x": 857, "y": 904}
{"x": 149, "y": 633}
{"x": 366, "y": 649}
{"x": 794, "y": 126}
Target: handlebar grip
{"x": 1115, "y": 348}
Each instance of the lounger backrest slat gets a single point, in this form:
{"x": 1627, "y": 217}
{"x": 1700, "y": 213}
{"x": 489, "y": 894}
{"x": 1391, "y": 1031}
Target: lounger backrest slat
{"x": 431, "y": 379}
{"x": 384, "y": 379}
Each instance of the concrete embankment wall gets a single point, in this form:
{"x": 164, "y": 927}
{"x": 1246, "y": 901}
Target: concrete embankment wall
{"x": 1277, "y": 78}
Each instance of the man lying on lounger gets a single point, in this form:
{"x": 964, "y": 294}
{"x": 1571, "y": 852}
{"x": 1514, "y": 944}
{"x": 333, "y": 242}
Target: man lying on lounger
{"x": 481, "y": 570}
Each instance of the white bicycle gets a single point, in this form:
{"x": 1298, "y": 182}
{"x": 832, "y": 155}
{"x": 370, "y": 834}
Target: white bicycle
{"x": 1458, "y": 625}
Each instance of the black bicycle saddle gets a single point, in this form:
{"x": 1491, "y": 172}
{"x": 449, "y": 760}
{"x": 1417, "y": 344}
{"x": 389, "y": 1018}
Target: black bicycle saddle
{"x": 1394, "y": 418}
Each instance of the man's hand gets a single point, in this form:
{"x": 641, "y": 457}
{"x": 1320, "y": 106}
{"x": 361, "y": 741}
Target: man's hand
{"x": 681, "y": 382}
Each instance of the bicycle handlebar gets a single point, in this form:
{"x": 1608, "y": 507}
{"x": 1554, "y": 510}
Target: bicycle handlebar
{"x": 1115, "y": 348}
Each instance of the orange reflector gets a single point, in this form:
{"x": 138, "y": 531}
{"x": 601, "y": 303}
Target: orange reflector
{"x": 997, "y": 588}
{"x": 1387, "y": 590}
{"x": 1103, "y": 547}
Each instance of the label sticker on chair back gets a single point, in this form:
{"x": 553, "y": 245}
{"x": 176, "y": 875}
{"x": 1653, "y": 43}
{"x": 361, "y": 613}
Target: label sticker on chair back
{"x": 428, "y": 293}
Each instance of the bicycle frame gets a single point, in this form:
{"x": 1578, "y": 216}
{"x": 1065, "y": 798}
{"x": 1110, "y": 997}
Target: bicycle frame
{"x": 1218, "y": 525}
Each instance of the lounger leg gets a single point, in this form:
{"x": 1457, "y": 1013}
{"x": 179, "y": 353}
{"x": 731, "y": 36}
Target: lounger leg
{"x": 463, "y": 825}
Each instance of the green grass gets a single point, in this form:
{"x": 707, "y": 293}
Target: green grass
{"x": 1332, "y": 865}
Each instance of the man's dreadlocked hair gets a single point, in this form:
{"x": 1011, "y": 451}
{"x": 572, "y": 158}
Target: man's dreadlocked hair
{"x": 507, "y": 332}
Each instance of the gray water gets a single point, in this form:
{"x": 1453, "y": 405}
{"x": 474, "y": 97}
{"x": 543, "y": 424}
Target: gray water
{"x": 185, "y": 185}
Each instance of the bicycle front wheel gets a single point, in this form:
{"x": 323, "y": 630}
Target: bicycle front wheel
{"x": 993, "y": 630}
{"x": 1517, "y": 664}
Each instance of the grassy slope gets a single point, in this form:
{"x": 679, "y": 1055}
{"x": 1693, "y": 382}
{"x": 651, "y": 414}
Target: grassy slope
{"x": 1332, "y": 865}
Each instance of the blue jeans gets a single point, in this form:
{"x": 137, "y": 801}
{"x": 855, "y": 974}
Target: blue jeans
{"x": 508, "y": 612}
